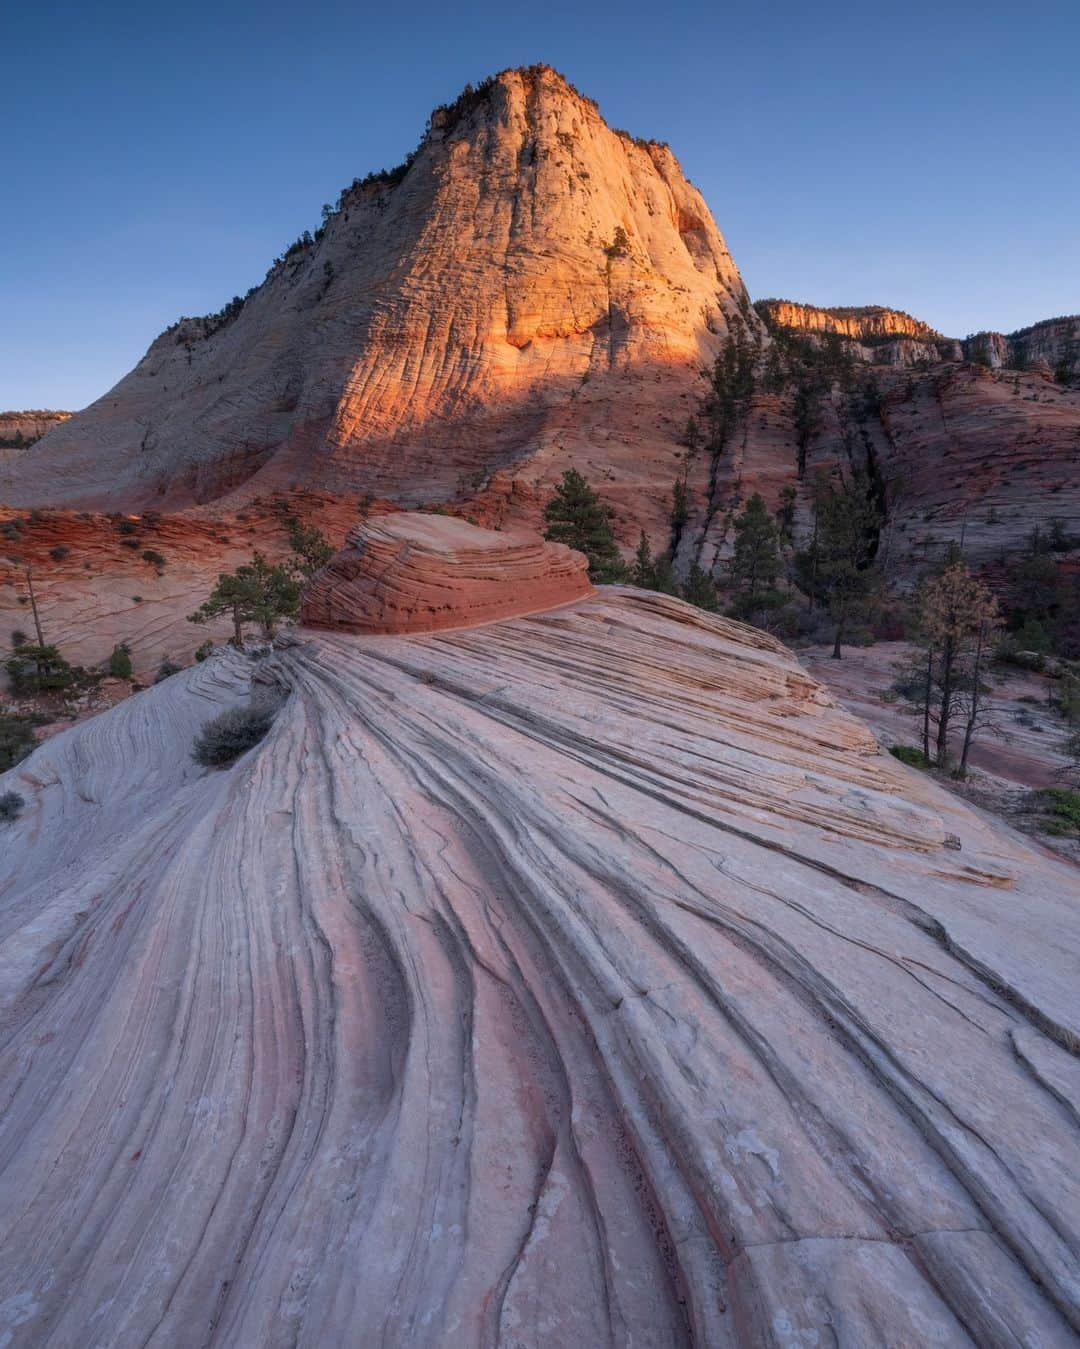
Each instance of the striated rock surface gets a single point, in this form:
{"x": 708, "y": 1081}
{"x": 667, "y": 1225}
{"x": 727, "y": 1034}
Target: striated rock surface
{"x": 533, "y": 289}
{"x": 587, "y": 978}
{"x": 423, "y": 573}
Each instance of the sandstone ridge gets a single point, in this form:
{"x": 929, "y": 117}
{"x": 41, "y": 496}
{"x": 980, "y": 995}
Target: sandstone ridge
{"x": 424, "y": 573}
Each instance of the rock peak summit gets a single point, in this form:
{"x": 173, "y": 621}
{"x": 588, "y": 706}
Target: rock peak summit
{"x": 528, "y": 283}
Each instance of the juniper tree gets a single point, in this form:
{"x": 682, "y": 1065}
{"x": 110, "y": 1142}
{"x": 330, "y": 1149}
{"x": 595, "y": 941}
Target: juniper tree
{"x": 310, "y": 548}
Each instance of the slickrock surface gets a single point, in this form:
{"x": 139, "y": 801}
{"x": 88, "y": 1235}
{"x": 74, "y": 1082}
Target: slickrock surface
{"x": 423, "y": 573}
{"x": 478, "y": 315}
{"x": 586, "y": 979}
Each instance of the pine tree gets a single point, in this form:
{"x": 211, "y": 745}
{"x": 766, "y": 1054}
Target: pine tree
{"x": 838, "y": 567}
{"x": 641, "y": 573}
{"x": 755, "y": 562}
{"x": 577, "y": 517}
{"x": 700, "y": 589}
{"x": 664, "y": 578}
{"x": 257, "y": 592}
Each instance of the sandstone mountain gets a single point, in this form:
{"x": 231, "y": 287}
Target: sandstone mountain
{"x": 530, "y": 285}
{"x": 531, "y": 291}
{"x": 585, "y": 978}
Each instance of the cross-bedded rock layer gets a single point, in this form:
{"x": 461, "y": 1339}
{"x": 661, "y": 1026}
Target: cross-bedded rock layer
{"x": 587, "y": 978}
{"x": 424, "y": 573}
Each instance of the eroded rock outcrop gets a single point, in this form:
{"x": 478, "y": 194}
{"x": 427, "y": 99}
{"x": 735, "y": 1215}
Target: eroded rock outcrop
{"x": 586, "y": 978}
{"x": 423, "y": 573}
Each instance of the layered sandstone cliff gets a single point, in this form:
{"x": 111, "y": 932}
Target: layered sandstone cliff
{"x": 20, "y": 429}
{"x": 856, "y": 322}
{"x": 581, "y": 979}
{"x": 533, "y": 289}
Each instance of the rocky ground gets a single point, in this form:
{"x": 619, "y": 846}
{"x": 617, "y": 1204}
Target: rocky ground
{"x": 590, "y": 977}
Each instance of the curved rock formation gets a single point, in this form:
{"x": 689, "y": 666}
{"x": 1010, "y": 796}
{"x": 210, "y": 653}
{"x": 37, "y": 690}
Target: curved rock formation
{"x": 583, "y": 979}
{"x": 425, "y": 573}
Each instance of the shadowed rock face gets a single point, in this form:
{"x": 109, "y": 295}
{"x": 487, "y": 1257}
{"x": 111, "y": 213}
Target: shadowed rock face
{"x": 587, "y": 978}
{"x": 423, "y": 573}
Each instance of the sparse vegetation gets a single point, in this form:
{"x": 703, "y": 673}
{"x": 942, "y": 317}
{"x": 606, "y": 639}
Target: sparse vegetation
{"x": 120, "y": 661}
{"x": 225, "y": 737}
{"x": 39, "y": 669}
{"x": 11, "y": 806}
{"x": 166, "y": 670}
{"x": 910, "y": 755}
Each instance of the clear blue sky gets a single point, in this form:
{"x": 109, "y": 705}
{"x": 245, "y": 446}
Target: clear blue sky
{"x": 158, "y": 155}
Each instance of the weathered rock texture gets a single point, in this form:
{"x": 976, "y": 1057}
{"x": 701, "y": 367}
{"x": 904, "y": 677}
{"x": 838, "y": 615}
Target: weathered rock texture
{"x": 423, "y": 573}
{"x": 480, "y": 313}
{"x": 584, "y": 979}
{"x": 1053, "y": 345}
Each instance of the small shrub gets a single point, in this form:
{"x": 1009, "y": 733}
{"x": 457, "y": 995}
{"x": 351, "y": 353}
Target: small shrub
{"x": 166, "y": 670}
{"x": 910, "y": 755}
{"x": 11, "y": 804}
{"x": 17, "y": 738}
{"x": 18, "y": 637}
{"x": 127, "y": 527}
{"x": 1063, "y": 805}
{"x": 224, "y": 738}
{"x": 129, "y": 543}
{"x": 39, "y": 669}
{"x": 203, "y": 650}
{"x": 152, "y": 556}
{"x": 120, "y": 661}
{"x": 59, "y": 552}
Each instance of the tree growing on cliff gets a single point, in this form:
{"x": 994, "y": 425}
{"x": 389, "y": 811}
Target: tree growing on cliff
{"x": 576, "y": 516}
{"x": 257, "y": 592}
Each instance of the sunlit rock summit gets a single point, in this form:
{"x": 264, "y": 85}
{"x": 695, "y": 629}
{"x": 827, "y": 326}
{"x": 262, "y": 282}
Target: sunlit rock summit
{"x": 531, "y": 285}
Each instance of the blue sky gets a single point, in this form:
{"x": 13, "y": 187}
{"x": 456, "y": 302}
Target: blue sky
{"x": 158, "y": 156}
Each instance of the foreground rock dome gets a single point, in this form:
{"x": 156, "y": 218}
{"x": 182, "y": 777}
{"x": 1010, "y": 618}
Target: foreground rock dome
{"x": 585, "y": 978}
{"x": 422, "y": 573}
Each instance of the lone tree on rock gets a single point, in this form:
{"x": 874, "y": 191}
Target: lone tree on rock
{"x": 576, "y": 516}
{"x": 258, "y": 592}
